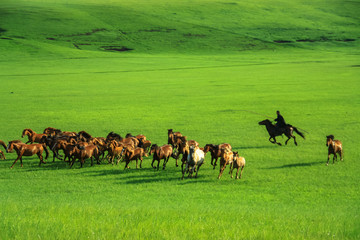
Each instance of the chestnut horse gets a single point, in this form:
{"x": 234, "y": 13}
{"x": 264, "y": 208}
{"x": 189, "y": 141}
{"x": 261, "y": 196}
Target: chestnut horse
{"x": 163, "y": 152}
{"x": 131, "y": 154}
{"x": 274, "y": 131}
{"x": 23, "y": 149}
{"x": 172, "y": 137}
{"x": 1, "y": 152}
{"x": 334, "y": 147}
{"x": 33, "y": 136}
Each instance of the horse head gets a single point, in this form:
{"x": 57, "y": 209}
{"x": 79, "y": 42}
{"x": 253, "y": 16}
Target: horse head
{"x": 27, "y": 131}
{"x": 10, "y": 147}
{"x": 329, "y": 139}
{"x": 265, "y": 122}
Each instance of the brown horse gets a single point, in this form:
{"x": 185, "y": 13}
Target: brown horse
{"x": 50, "y": 131}
{"x": 23, "y": 149}
{"x": 215, "y": 151}
{"x": 172, "y": 137}
{"x": 163, "y": 152}
{"x": 84, "y": 152}
{"x": 33, "y": 136}
{"x": 131, "y": 154}
{"x": 274, "y": 131}
{"x": 1, "y": 152}
{"x": 334, "y": 147}
{"x": 238, "y": 163}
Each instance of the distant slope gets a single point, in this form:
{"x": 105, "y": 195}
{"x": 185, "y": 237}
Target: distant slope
{"x": 29, "y": 28}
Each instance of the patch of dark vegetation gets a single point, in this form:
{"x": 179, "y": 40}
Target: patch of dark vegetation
{"x": 230, "y": 3}
{"x": 84, "y": 34}
{"x": 6, "y": 38}
{"x": 305, "y": 40}
{"x": 2, "y": 30}
{"x": 193, "y": 35}
{"x": 76, "y": 46}
{"x": 158, "y": 30}
{"x": 116, "y": 48}
{"x": 282, "y": 41}
{"x": 355, "y": 65}
{"x": 50, "y": 38}
{"x": 346, "y": 40}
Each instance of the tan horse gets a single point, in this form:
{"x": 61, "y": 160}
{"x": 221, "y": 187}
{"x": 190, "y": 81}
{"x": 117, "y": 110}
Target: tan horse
{"x": 334, "y": 147}
{"x": 131, "y": 154}
{"x": 238, "y": 163}
{"x": 1, "y": 152}
{"x": 33, "y": 136}
{"x": 226, "y": 158}
{"x": 23, "y": 149}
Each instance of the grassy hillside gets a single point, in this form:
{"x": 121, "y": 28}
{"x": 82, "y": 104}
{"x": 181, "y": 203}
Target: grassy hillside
{"x": 55, "y": 27}
{"x": 209, "y": 69}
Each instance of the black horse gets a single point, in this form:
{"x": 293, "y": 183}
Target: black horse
{"x": 274, "y": 131}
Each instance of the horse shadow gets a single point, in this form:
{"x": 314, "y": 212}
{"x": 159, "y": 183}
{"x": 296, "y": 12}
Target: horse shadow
{"x": 296, "y": 165}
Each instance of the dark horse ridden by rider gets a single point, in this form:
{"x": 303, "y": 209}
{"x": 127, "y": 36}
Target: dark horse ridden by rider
{"x": 280, "y": 128}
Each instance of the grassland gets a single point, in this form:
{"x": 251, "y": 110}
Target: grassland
{"x": 211, "y": 70}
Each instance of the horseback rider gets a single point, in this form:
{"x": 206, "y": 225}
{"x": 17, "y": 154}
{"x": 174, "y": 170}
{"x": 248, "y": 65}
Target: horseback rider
{"x": 280, "y": 122}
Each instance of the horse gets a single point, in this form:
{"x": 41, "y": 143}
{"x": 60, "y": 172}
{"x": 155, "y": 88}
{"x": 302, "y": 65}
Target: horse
{"x": 83, "y": 152}
{"x": 33, "y": 136}
{"x": 274, "y": 131}
{"x": 195, "y": 159}
{"x": 84, "y": 136}
{"x": 115, "y": 149}
{"x": 131, "y": 154}
{"x": 334, "y": 147}
{"x": 215, "y": 151}
{"x": 50, "y": 131}
{"x": 238, "y": 162}
{"x": 1, "y": 152}
{"x": 23, "y": 149}
{"x": 226, "y": 158}
{"x": 172, "y": 137}
{"x": 163, "y": 152}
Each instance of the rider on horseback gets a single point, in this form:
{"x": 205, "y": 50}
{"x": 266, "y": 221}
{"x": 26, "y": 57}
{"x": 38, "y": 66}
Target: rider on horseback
{"x": 280, "y": 122}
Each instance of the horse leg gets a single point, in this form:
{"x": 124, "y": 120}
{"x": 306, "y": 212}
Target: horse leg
{"x": 242, "y": 168}
{"x": 214, "y": 162}
{"x": 141, "y": 160}
{"x": 197, "y": 170}
{"x": 327, "y": 163}
{"x": 341, "y": 156}
{"x": 231, "y": 170}
{"x": 152, "y": 163}
{"x": 165, "y": 161}
{"x": 40, "y": 157}
{"x": 19, "y": 157}
{"x": 222, "y": 168}
{"x": 3, "y": 156}
{"x": 158, "y": 165}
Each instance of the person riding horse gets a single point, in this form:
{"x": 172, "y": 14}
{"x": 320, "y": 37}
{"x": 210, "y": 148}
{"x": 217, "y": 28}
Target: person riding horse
{"x": 280, "y": 122}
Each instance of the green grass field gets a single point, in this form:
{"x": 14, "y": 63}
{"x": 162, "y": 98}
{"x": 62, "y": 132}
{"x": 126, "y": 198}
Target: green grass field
{"x": 209, "y": 69}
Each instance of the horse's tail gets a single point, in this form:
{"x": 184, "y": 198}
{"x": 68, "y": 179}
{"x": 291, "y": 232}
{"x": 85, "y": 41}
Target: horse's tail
{"x": 46, "y": 150}
{"x": 298, "y": 132}
{"x": 3, "y": 144}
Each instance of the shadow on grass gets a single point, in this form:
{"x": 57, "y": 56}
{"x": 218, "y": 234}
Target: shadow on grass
{"x": 296, "y": 165}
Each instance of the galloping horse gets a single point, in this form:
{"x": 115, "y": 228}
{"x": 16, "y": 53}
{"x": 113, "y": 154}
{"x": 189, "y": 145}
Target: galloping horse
{"x": 1, "y": 152}
{"x": 23, "y": 149}
{"x": 335, "y": 146}
{"x": 273, "y": 131}
{"x": 195, "y": 159}
{"x": 163, "y": 152}
{"x": 33, "y": 136}
{"x": 215, "y": 151}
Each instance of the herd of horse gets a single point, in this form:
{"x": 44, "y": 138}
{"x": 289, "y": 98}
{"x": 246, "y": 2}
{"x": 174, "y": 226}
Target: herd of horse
{"x": 114, "y": 148}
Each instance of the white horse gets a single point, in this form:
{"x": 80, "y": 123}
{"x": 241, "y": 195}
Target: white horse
{"x": 195, "y": 159}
